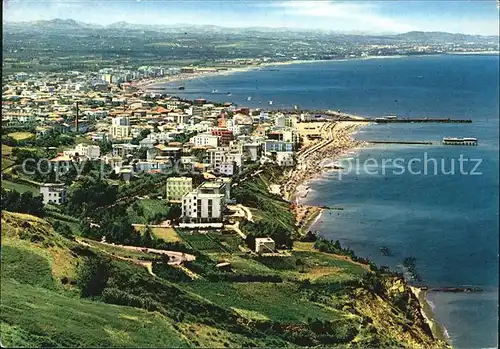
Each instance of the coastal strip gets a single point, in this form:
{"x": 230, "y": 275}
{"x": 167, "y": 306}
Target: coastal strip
{"x": 336, "y": 140}
{"x": 438, "y": 331}
{"x": 205, "y": 72}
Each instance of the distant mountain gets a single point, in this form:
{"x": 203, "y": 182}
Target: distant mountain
{"x": 420, "y": 36}
{"x": 54, "y": 24}
{"x": 129, "y": 26}
{"x": 414, "y": 36}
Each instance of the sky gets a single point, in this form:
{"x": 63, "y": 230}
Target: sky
{"x": 388, "y": 16}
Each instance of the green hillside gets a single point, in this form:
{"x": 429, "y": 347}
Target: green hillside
{"x": 59, "y": 292}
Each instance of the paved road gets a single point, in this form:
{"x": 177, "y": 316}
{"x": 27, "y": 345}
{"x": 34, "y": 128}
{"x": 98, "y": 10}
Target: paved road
{"x": 248, "y": 213}
{"x": 236, "y": 228}
{"x": 176, "y": 257}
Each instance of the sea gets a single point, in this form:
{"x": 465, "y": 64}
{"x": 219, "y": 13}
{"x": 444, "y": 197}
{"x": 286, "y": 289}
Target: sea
{"x": 438, "y": 204}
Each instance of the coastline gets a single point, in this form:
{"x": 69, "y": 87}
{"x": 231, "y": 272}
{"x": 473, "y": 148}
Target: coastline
{"x": 437, "y": 329}
{"x": 311, "y": 165}
{"x": 154, "y": 83}
{"x": 148, "y": 84}
{"x": 300, "y": 189}
{"x": 475, "y": 53}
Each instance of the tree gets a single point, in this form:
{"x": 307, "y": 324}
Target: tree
{"x": 24, "y": 203}
{"x": 105, "y": 146}
{"x": 93, "y": 275}
{"x": 63, "y": 229}
{"x": 165, "y": 258}
{"x": 147, "y": 237}
{"x": 174, "y": 213}
{"x": 88, "y": 194}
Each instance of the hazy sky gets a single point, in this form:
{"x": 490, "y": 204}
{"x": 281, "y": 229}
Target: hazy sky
{"x": 471, "y": 17}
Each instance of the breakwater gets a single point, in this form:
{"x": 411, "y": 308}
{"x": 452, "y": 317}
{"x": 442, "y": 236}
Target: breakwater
{"x": 329, "y": 115}
{"x": 402, "y": 142}
{"x": 425, "y": 120}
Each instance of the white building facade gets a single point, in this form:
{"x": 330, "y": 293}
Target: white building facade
{"x": 53, "y": 193}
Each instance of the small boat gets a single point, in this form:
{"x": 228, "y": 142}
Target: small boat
{"x": 182, "y": 88}
{"x": 229, "y": 94}
{"x": 270, "y": 102}
{"x": 214, "y": 91}
{"x": 249, "y": 98}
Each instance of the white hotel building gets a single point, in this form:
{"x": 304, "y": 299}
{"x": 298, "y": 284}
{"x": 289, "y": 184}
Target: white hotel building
{"x": 206, "y": 204}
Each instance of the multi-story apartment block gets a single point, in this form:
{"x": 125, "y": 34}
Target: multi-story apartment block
{"x": 199, "y": 206}
{"x": 120, "y": 128}
{"x": 53, "y": 193}
{"x": 276, "y": 146}
{"x": 204, "y": 140}
{"x": 177, "y": 187}
{"x": 226, "y": 136}
{"x": 291, "y": 135}
{"x": 123, "y": 150}
{"x": 227, "y": 168}
{"x": 207, "y": 202}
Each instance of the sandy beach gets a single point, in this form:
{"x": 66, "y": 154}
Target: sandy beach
{"x": 437, "y": 330}
{"x": 155, "y": 83}
{"x": 337, "y": 141}
{"x": 313, "y": 159}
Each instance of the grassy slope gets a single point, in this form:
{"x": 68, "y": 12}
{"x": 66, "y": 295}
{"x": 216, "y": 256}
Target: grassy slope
{"x": 20, "y": 187}
{"x": 38, "y": 310}
{"x": 33, "y": 316}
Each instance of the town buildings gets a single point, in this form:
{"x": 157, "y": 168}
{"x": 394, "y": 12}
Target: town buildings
{"x": 84, "y": 151}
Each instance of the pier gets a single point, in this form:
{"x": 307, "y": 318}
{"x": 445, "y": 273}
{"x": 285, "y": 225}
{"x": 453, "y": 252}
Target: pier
{"x": 421, "y": 120}
{"x": 460, "y": 141}
{"x": 402, "y": 142}
{"x": 466, "y": 289}
{"x": 321, "y": 115}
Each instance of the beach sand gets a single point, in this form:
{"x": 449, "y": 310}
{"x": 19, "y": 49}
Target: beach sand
{"x": 437, "y": 330}
{"x": 336, "y": 141}
{"x": 158, "y": 82}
